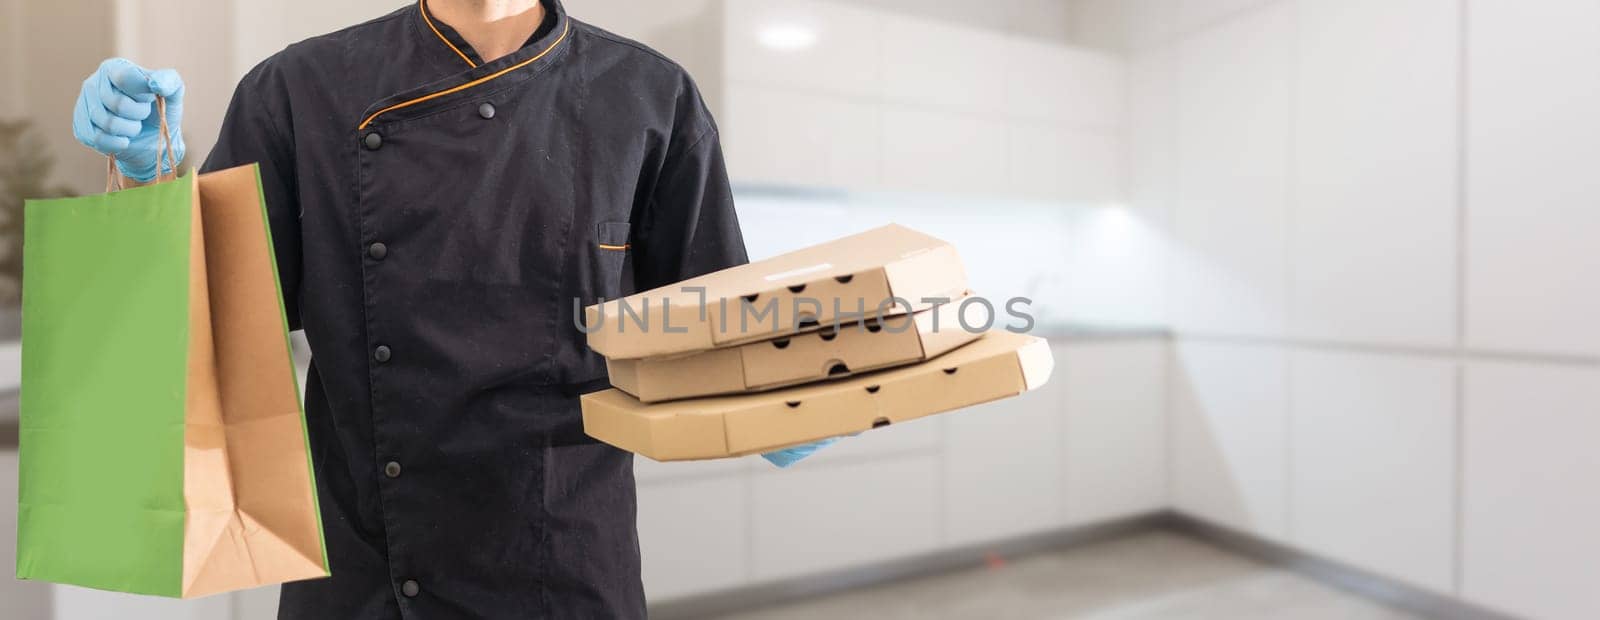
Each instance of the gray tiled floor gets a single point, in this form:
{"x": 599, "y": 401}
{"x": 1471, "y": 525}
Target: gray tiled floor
{"x": 1154, "y": 575}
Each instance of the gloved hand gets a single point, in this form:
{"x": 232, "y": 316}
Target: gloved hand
{"x": 116, "y": 116}
{"x": 789, "y": 456}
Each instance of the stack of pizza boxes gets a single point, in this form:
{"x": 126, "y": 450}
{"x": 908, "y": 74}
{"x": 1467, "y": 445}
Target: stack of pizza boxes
{"x": 850, "y": 335}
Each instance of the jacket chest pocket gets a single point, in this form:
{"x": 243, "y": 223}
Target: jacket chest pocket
{"x": 613, "y": 260}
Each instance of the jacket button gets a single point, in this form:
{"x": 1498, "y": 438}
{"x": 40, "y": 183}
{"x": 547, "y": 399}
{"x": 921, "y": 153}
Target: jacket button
{"x": 391, "y": 469}
{"x": 410, "y": 588}
{"x": 377, "y": 251}
{"x": 486, "y": 110}
{"x": 373, "y": 141}
{"x": 381, "y": 353}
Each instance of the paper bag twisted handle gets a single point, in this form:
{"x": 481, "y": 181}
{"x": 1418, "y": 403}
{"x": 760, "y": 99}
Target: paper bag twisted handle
{"x": 114, "y": 180}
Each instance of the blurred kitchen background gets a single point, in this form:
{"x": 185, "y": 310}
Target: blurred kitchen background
{"x": 1321, "y": 278}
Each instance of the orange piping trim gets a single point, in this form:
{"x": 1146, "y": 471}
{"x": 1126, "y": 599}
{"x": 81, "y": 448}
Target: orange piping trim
{"x": 605, "y": 246}
{"x": 406, "y": 104}
{"x": 422, "y": 5}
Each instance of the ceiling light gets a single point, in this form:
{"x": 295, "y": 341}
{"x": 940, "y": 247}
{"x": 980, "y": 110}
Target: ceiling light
{"x": 788, "y": 37}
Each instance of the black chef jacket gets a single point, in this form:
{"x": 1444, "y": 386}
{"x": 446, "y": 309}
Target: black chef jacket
{"x": 434, "y": 218}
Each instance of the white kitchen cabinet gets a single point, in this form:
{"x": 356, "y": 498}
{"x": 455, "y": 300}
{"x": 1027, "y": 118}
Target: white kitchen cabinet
{"x": 1002, "y": 466}
{"x": 805, "y": 46}
{"x": 1200, "y": 14}
{"x": 944, "y": 64}
{"x": 937, "y": 151}
{"x": 807, "y": 99}
{"x": 1373, "y": 246}
{"x": 1231, "y": 214}
{"x": 1079, "y": 167}
{"x": 1152, "y": 128}
{"x": 773, "y": 136}
{"x": 1230, "y": 432}
{"x": 1114, "y": 429}
{"x": 815, "y": 517}
{"x": 1529, "y": 508}
{"x": 1061, "y": 85}
{"x": 1037, "y": 161}
{"x": 1533, "y": 195}
{"x": 694, "y": 535}
{"x": 1373, "y": 446}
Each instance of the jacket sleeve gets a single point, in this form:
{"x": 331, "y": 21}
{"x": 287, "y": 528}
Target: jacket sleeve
{"x": 689, "y": 227}
{"x": 254, "y": 130}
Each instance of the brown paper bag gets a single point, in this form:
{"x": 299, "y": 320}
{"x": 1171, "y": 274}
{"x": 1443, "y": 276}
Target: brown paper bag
{"x": 163, "y": 445}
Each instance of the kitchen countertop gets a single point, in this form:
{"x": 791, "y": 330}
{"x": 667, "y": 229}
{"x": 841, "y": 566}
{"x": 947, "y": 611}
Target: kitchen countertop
{"x": 1072, "y": 332}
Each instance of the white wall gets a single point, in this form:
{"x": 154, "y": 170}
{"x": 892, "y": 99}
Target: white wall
{"x": 11, "y": 66}
{"x": 198, "y": 46}
{"x": 1383, "y": 220}
{"x": 57, "y": 45}
{"x": 53, "y": 46}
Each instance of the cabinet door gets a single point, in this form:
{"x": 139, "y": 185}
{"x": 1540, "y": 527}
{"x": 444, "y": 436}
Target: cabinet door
{"x": 1532, "y": 209}
{"x": 820, "y": 517}
{"x": 1373, "y": 438}
{"x": 1373, "y": 243}
{"x": 693, "y": 535}
{"x": 1115, "y": 428}
{"x": 938, "y": 63}
{"x": 1230, "y": 435}
{"x": 774, "y": 136}
{"x": 1231, "y": 214}
{"x": 804, "y": 45}
{"x": 930, "y": 150}
{"x": 1003, "y": 466}
{"x": 1065, "y": 86}
{"x": 1530, "y": 505}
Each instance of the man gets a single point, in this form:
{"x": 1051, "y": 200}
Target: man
{"x": 442, "y": 182}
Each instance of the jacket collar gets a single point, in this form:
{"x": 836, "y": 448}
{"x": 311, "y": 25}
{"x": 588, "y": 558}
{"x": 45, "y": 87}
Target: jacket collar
{"x": 549, "y": 43}
{"x": 441, "y": 35}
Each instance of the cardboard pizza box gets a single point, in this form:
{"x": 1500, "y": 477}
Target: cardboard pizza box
{"x": 998, "y": 365}
{"x": 842, "y": 281}
{"x": 830, "y": 352}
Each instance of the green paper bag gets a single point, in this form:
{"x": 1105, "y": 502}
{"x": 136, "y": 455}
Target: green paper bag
{"x": 163, "y": 447}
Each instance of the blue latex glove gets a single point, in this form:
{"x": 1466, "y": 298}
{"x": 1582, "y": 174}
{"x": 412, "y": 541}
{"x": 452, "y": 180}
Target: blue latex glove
{"x": 789, "y": 456}
{"x": 115, "y": 115}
